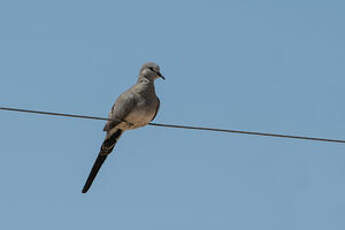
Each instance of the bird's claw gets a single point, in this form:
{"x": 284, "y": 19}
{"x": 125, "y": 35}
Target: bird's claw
{"x": 128, "y": 123}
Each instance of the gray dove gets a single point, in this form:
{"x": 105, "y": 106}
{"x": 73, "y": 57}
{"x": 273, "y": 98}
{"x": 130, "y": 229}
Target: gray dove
{"x": 134, "y": 108}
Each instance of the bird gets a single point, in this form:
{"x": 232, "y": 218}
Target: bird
{"x": 134, "y": 108}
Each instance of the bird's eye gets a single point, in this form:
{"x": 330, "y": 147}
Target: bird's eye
{"x": 152, "y": 69}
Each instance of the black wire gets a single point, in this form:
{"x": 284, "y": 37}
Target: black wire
{"x": 181, "y": 126}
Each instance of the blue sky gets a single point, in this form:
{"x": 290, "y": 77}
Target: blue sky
{"x": 270, "y": 66}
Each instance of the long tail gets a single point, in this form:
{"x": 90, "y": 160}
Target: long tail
{"x": 106, "y": 148}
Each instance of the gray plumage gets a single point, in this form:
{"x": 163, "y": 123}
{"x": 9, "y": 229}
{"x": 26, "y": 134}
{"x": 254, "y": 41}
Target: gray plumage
{"x": 134, "y": 108}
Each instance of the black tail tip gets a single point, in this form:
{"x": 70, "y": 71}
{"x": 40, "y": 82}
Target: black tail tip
{"x": 84, "y": 190}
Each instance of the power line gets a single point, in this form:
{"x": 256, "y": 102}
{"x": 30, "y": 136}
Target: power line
{"x": 180, "y": 126}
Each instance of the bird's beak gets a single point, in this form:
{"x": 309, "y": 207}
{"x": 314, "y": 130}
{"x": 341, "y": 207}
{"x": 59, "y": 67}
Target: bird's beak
{"x": 161, "y": 76}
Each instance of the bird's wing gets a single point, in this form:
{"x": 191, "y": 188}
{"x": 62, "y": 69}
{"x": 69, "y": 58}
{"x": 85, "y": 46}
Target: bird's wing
{"x": 122, "y": 107}
{"x": 156, "y": 112}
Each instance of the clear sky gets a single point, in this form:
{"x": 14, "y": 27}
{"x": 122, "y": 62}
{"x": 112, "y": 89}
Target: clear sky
{"x": 270, "y": 66}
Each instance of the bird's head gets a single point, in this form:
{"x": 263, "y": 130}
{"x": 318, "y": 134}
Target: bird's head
{"x": 151, "y": 71}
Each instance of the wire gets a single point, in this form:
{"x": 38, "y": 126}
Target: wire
{"x": 180, "y": 126}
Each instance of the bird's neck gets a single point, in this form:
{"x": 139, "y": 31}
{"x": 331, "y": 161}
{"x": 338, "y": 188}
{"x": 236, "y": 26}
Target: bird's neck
{"x": 145, "y": 80}
{"x": 146, "y": 84}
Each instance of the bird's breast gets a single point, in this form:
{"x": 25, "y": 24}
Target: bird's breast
{"x": 140, "y": 116}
